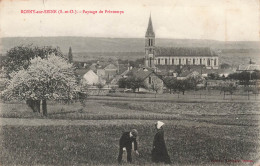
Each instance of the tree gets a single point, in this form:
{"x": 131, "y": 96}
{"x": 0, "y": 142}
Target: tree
{"x": 135, "y": 83}
{"x": 19, "y": 57}
{"x": 213, "y": 76}
{"x": 225, "y": 66}
{"x": 182, "y": 85}
{"x": 179, "y": 70}
{"x": 228, "y": 86}
{"x": 248, "y": 89}
{"x": 100, "y": 86}
{"x": 70, "y": 56}
{"x": 243, "y": 77}
{"x": 122, "y": 83}
{"x": 193, "y": 80}
{"x": 131, "y": 82}
{"x": 156, "y": 86}
{"x": 170, "y": 83}
{"x": 49, "y": 78}
{"x": 255, "y": 75}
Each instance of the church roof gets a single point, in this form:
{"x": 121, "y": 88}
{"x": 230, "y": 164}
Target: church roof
{"x": 149, "y": 31}
{"x": 184, "y": 51}
{"x": 140, "y": 72}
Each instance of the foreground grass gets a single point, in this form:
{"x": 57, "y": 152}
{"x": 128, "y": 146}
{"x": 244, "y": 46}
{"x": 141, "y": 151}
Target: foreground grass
{"x": 97, "y": 143}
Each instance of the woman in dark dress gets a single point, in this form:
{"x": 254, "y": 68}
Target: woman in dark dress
{"x": 159, "y": 151}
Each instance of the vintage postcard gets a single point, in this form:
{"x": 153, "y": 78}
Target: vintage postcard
{"x": 139, "y": 82}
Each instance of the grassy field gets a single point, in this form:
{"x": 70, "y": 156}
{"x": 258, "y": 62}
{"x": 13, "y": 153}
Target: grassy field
{"x": 188, "y": 144}
{"x": 203, "y": 133}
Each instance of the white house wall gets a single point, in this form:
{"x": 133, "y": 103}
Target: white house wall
{"x": 204, "y": 61}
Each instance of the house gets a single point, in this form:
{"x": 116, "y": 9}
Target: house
{"x": 90, "y": 78}
{"x": 151, "y": 80}
{"x": 110, "y": 71}
{"x": 248, "y": 68}
{"x": 123, "y": 74}
{"x": 187, "y": 74}
{"x": 101, "y": 73}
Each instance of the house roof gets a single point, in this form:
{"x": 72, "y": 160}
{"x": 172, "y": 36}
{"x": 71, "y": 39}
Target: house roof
{"x": 91, "y": 77}
{"x": 188, "y": 73}
{"x": 93, "y": 67}
{"x": 122, "y": 68}
{"x": 184, "y": 52}
{"x": 249, "y": 67}
{"x": 82, "y": 71}
{"x": 140, "y": 72}
{"x": 110, "y": 67}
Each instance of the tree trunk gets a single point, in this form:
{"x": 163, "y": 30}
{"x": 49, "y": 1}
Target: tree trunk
{"x": 38, "y": 105}
{"x": 44, "y": 107}
{"x": 224, "y": 94}
{"x": 29, "y": 102}
{"x": 34, "y": 105}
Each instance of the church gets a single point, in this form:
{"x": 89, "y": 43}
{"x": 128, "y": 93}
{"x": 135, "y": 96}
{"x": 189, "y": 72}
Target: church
{"x": 156, "y": 57}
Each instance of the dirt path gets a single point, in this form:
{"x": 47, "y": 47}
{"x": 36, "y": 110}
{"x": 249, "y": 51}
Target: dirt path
{"x": 59, "y": 122}
{"x": 171, "y": 100}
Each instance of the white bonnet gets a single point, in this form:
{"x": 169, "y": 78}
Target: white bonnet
{"x": 159, "y": 124}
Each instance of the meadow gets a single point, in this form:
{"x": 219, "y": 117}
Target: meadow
{"x": 203, "y": 133}
{"x": 97, "y": 143}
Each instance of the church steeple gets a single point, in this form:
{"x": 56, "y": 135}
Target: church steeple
{"x": 149, "y": 31}
{"x": 149, "y": 45}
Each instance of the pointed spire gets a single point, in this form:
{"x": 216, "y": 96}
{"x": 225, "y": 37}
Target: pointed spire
{"x": 149, "y": 31}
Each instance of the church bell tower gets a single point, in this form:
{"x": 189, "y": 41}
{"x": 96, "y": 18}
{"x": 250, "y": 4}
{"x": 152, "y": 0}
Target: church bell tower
{"x": 149, "y": 45}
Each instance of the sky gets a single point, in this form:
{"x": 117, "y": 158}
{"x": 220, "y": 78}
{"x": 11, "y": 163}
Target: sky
{"x": 224, "y": 20}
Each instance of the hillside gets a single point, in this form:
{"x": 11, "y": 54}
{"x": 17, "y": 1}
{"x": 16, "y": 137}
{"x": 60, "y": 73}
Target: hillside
{"x": 90, "y": 44}
{"x": 89, "y": 48}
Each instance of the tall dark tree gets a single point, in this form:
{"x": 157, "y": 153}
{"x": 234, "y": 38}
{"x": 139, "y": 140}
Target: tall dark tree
{"x": 70, "y": 56}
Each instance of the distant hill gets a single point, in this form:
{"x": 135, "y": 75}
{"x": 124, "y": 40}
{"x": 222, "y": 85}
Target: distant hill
{"x": 92, "y": 44}
{"x": 90, "y": 48}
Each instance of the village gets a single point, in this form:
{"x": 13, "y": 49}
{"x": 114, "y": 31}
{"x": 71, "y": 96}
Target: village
{"x": 162, "y": 70}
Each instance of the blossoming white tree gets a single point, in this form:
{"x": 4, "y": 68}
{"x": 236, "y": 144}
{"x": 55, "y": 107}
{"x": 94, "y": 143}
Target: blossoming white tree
{"x": 49, "y": 78}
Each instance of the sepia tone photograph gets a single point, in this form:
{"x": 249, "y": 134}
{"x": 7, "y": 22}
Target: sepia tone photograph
{"x": 141, "y": 82}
